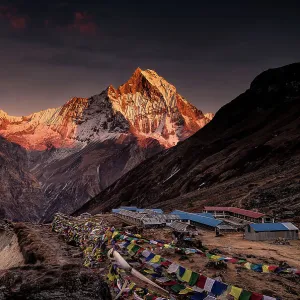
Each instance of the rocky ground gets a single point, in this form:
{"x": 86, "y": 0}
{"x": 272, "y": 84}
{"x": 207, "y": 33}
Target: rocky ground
{"x": 51, "y": 269}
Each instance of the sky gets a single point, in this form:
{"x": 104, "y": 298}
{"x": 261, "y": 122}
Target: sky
{"x": 53, "y": 50}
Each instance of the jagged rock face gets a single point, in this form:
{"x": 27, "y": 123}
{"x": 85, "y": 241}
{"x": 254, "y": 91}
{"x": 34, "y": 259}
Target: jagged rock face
{"x": 209, "y": 116}
{"x": 247, "y": 156}
{"x": 154, "y": 108}
{"x": 77, "y": 150}
{"x": 20, "y": 192}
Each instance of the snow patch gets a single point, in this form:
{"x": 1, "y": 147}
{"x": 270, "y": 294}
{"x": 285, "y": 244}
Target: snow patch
{"x": 174, "y": 171}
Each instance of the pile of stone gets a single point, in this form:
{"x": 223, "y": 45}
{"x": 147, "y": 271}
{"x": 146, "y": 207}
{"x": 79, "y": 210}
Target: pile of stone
{"x": 5, "y": 225}
{"x": 281, "y": 241}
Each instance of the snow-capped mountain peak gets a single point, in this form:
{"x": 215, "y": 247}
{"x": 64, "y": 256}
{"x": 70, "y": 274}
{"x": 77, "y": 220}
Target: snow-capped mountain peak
{"x": 146, "y": 106}
{"x": 155, "y": 109}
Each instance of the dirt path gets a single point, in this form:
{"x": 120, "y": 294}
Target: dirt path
{"x": 58, "y": 252}
{"x": 52, "y": 269}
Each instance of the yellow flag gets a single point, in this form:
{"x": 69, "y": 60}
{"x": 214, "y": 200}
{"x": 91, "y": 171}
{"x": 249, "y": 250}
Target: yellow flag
{"x": 185, "y": 291}
{"x": 187, "y": 275}
{"x": 115, "y": 233}
{"x": 235, "y": 292}
{"x": 130, "y": 246}
{"x": 131, "y": 286}
{"x": 247, "y": 266}
{"x": 149, "y": 271}
{"x": 155, "y": 259}
{"x": 265, "y": 269}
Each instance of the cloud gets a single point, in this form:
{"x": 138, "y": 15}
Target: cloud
{"x": 16, "y": 20}
{"x": 55, "y": 16}
{"x": 83, "y": 23}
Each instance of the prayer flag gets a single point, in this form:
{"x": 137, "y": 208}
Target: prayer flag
{"x": 201, "y": 281}
{"x": 209, "y": 284}
{"x": 177, "y": 288}
{"x": 235, "y": 292}
{"x": 155, "y": 259}
{"x": 256, "y": 296}
{"x": 173, "y": 268}
{"x": 193, "y": 279}
{"x": 219, "y": 288}
{"x": 245, "y": 295}
{"x": 187, "y": 275}
{"x": 265, "y": 269}
{"x": 247, "y": 265}
{"x": 187, "y": 290}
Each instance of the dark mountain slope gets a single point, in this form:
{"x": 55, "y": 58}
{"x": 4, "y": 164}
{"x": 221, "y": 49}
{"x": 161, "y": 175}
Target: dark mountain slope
{"x": 20, "y": 194}
{"x": 248, "y": 155}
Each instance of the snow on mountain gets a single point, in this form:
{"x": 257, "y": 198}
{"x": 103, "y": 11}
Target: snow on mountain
{"x": 209, "y": 116}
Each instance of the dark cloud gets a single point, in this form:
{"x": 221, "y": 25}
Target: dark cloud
{"x": 54, "y": 14}
{"x": 84, "y": 23}
{"x": 11, "y": 15}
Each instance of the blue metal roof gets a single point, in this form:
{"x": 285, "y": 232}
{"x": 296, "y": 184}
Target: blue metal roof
{"x": 208, "y": 215}
{"x": 157, "y": 210}
{"x": 183, "y": 215}
{"x": 205, "y": 220}
{"x": 132, "y": 208}
{"x": 197, "y": 218}
{"x": 269, "y": 227}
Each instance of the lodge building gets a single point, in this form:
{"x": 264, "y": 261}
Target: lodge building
{"x": 271, "y": 231}
{"x": 249, "y": 216}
